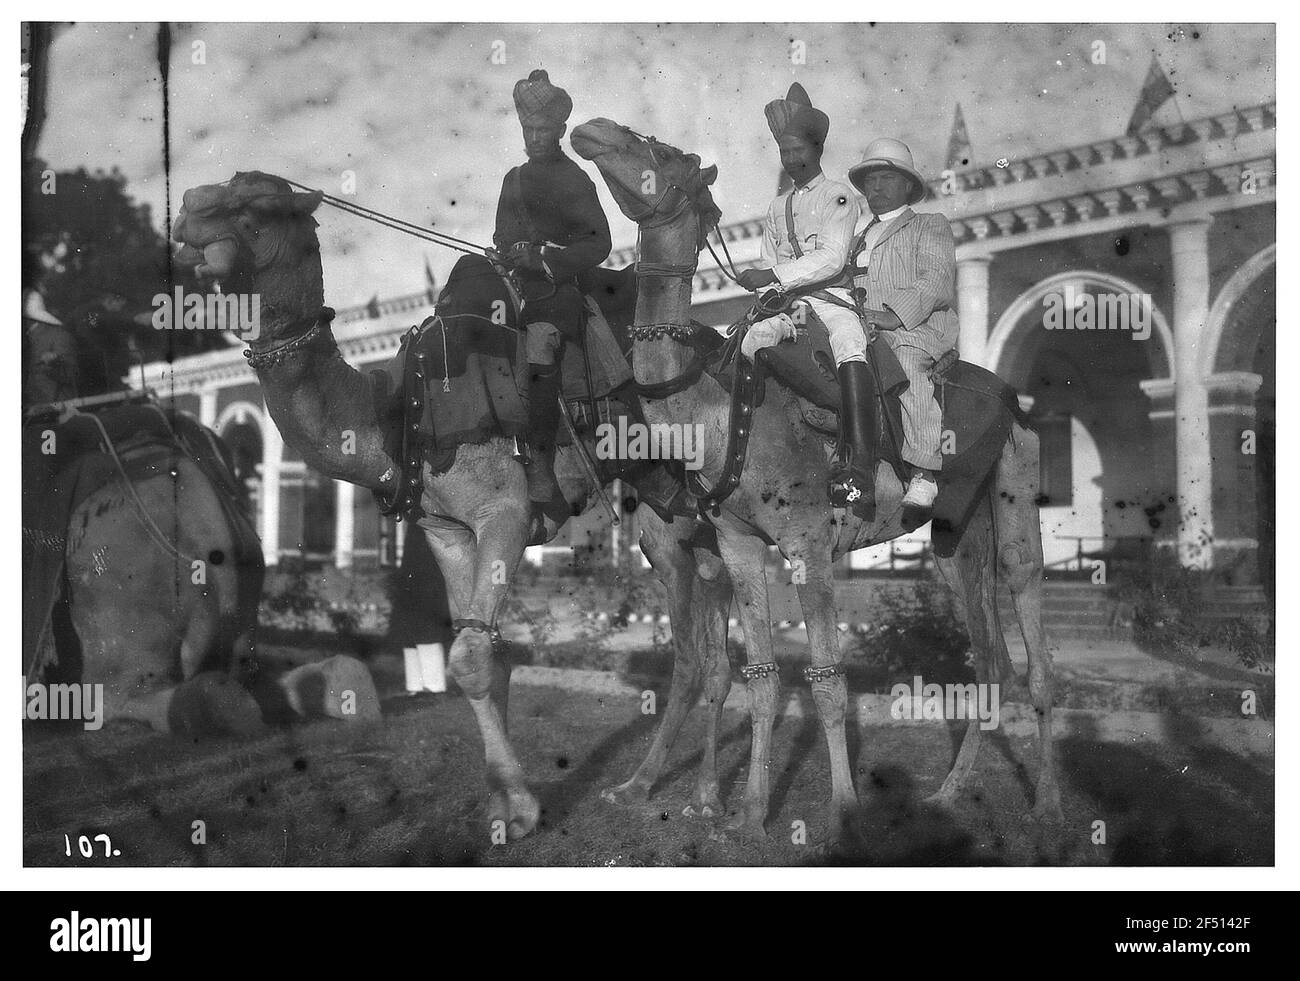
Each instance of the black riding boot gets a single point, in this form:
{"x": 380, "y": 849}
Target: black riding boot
{"x": 853, "y": 477}
{"x": 543, "y": 422}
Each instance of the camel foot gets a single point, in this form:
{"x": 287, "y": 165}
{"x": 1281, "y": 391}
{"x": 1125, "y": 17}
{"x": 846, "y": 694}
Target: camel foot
{"x": 1047, "y": 808}
{"x": 704, "y": 806}
{"x": 841, "y": 821}
{"x": 626, "y": 794}
{"x": 515, "y": 810}
{"x": 746, "y": 823}
{"x": 944, "y": 800}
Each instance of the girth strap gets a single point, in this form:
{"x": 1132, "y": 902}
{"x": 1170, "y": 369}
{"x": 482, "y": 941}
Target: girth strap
{"x": 407, "y": 453}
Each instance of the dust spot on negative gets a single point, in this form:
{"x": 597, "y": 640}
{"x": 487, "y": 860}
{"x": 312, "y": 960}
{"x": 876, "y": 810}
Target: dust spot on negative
{"x": 300, "y": 764}
{"x": 562, "y": 762}
{"x": 216, "y": 556}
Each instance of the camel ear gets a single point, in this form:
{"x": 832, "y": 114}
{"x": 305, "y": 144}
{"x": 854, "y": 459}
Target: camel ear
{"x": 709, "y": 174}
{"x": 305, "y": 202}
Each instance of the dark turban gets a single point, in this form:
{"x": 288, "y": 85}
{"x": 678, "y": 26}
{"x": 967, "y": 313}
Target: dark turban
{"x": 539, "y": 103}
{"x": 796, "y": 116}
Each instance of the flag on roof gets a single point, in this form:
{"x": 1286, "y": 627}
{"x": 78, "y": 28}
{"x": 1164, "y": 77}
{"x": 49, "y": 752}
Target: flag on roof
{"x": 1156, "y": 91}
{"x": 960, "y": 154}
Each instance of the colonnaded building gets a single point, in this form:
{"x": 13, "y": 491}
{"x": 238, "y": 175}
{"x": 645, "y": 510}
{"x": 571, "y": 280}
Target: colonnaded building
{"x": 1126, "y": 288}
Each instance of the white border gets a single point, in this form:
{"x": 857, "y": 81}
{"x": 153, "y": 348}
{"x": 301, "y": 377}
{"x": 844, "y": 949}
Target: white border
{"x": 1080, "y": 879}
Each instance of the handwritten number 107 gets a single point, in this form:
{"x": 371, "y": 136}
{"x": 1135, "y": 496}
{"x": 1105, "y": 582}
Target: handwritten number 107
{"x": 86, "y": 847}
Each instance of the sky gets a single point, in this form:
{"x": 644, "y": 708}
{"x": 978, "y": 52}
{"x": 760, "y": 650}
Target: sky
{"x": 422, "y": 115}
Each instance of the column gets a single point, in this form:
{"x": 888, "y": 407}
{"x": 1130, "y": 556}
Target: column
{"x": 1159, "y": 483}
{"x": 343, "y": 524}
{"x": 272, "y": 454}
{"x": 1188, "y": 242}
{"x": 1235, "y": 445}
{"x": 208, "y": 407}
{"x": 973, "y": 308}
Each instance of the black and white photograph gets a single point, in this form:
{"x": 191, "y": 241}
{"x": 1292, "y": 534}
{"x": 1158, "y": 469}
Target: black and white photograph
{"x": 575, "y": 445}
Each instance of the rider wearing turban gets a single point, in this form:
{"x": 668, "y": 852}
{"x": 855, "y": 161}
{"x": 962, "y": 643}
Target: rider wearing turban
{"x": 551, "y": 228}
{"x": 806, "y": 242}
{"x": 796, "y": 116}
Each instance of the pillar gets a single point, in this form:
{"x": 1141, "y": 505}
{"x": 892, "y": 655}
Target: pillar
{"x": 343, "y": 524}
{"x": 208, "y": 407}
{"x": 1234, "y": 446}
{"x": 272, "y": 456}
{"x": 1189, "y": 243}
{"x": 973, "y": 308}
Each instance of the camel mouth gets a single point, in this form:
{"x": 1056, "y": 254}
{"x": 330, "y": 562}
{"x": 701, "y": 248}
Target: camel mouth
{"x": 596, "y": 136}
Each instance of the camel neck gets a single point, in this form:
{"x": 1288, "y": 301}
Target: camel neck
{"x": 664, "y": 300}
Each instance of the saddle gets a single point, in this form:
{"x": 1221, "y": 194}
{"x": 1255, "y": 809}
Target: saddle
{"x": 458, "y": 376}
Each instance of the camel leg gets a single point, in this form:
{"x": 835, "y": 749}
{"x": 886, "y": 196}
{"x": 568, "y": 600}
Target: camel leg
{"x": 676, "y": 570}
{"x": 972, "y": 573}
{"x": 480, "y": 561}
{"x": 712, "y": 603}
{"x": 1020, "y": 562}
{"x": 744, "y": 557}
{"x": 826, "y": 677}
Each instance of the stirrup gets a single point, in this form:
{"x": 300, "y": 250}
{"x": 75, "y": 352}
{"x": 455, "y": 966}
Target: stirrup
{"x": 848, "y": 489}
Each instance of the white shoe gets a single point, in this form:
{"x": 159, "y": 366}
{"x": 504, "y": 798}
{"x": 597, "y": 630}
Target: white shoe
{"x": 921, "y": 492}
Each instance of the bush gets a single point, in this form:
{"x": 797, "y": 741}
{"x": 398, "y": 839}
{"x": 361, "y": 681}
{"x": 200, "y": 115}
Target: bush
{"x": 342, "y": 602}
{"x": 1168, "y": 602}
{"x": 916, "y": 632}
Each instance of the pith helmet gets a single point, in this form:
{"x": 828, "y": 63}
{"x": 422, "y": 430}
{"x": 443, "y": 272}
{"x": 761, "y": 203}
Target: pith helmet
{"x": 889, "y": 154}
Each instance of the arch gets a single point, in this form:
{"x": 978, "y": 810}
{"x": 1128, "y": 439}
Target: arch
{"x": 1234, "y": 289}
{"x": 1001, "y": 343}
{"x": 239, "y": 412}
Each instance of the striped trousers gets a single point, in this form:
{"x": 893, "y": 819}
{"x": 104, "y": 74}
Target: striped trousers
{"x": 922, "y": 418}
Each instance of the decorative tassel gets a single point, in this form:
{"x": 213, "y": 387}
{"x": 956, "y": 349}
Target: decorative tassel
{"x": 446, "y": 363}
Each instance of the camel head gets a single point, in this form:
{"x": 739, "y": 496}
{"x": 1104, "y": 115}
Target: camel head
{"x": 254, "y": 233}
{"x": 651, "y": 182}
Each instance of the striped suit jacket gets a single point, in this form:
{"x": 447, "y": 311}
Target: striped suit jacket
{"x": 912, "y": 270}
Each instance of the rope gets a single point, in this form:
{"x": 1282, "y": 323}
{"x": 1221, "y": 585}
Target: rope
{"x": 142, "y": 512}
{"x": 729, "y": 270}
{"x": 397, "y": 224}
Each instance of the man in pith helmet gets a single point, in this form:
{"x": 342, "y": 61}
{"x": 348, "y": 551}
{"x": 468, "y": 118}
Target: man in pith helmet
{"x": 806, "y": 242}
{"x": 905, "y": 273}
{"x": 550, "y": 227}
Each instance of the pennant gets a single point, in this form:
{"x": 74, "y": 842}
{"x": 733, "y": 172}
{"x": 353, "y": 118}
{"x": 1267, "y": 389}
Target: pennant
{"x": 960, "y": 154}
{"x": 1156, "y": 91}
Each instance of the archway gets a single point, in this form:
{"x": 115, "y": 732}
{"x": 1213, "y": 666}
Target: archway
{"x": 1240, "y": 359}
{"x": 1107, "y": 470}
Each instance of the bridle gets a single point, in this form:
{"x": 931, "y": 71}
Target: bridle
{"x": 655, "y": 214}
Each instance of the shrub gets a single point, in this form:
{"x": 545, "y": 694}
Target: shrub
{"x": 1168, "y": 602}
{"x": 916, "y": 631}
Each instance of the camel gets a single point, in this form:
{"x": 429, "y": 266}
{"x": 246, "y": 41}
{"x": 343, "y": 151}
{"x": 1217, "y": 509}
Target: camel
{"x": 255, "y": 234}
{"x": 170, "y": 641}
{"x": 781, "y": 497}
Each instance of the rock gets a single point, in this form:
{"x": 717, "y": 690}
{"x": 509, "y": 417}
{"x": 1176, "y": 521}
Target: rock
{"x": 338, "y": 687}
{"x": 213, "y": 704}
